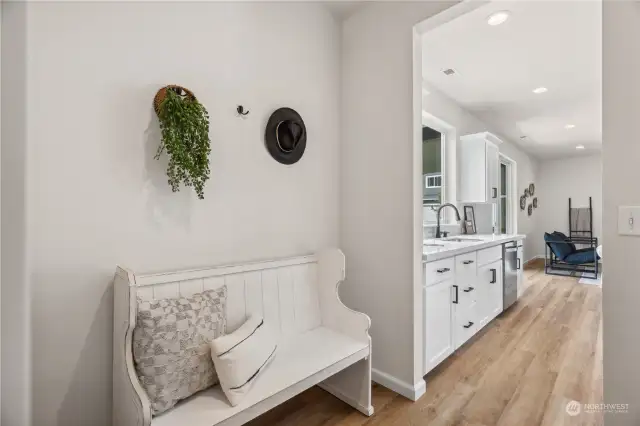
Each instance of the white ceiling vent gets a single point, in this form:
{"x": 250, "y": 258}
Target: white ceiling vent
{"x": 449, "y": 71}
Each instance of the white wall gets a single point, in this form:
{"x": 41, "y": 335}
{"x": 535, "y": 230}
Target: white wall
{"x": 378, "y": 219}
{"x": 621, "y": 173}
{"x": 578, "y": 178}
{"x": 443, "y": 107}
{"x": 97, "y": 197}
{"x": 16, "y": 320}
{"x": 377, "y": 182}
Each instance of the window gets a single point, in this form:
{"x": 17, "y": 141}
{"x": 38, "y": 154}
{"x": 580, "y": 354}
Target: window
{"x": 434, "y": 181}
{"x": 431, "y": 171}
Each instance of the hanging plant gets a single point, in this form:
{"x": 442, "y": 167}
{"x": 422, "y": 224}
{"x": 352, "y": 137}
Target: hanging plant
{"x": 184, "y": 123}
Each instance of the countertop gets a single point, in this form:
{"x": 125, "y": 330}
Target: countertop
{"x": 453, "y": 248}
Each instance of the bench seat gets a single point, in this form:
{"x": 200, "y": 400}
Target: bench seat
{"x": 320, "y": 340}
{"x": 313, "y": 354}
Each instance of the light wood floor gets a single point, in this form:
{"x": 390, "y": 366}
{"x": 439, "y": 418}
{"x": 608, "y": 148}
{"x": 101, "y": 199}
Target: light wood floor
{"x": 522, "y": 370}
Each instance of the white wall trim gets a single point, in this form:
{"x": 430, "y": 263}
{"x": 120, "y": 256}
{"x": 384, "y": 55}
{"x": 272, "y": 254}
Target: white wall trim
{"x": 536, "y": 257}
{"x": 513, "y": 186}
{"x": 412, "y": 392}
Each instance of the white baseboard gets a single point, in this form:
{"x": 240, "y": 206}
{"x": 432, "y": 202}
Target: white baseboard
{"x": 412, "y": 392}
{"x": 536, "y": 257}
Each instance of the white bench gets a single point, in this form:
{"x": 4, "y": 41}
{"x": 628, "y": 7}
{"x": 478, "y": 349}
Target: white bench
{"x": 321, "y": 341}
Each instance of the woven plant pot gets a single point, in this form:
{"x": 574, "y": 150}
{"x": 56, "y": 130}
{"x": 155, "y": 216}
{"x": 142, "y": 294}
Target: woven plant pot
{"x": 162, "y": 93}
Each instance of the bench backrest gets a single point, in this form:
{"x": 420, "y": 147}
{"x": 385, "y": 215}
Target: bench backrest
{"x": 284, "y": 292}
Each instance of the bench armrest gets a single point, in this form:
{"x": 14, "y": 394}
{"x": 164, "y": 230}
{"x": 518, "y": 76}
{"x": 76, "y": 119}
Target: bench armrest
{"x": 131, "y": 406}
{"x": 335, "y": 315}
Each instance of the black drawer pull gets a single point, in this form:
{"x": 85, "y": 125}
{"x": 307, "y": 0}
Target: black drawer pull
{"x": 468, "y": 325}
{"x": 467, "y": 290}
{"x": 456, "y": 289}
{"x": 518, "y": 267}
{"x": 468, "y": 262}
{"x": 495, "y": 192}
{"x": 493, "y": 278}
{"x": 443, "y": 270}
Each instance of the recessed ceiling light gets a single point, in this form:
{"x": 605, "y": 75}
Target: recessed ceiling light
{"x": 539, "y": 90}
{"x": 569, "y": 126}
{"x": 498, "y": 18}
{"x": 580, "y": 147}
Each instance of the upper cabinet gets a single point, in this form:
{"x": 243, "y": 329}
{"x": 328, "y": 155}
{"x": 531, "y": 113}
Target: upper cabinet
{"x": 479, "y": 165}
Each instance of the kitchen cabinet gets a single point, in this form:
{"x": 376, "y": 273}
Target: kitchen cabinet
{"x": 438, "y": 305}
{"x": 462, "y": 294}
{"x": 490, "y": 280}
{"x": 479, "y": 165}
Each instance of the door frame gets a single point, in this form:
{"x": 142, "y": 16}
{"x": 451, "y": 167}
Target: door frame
{"x": 512, "y": 190}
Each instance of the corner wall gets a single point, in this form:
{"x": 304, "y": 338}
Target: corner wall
{"x": 377, "y": 180}
{"x": 98, "y": 198}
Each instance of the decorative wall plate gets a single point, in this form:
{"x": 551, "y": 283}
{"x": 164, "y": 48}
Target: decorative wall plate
{"x": 532, "y": 189}
{"x": 526, "y": 192}
{"x": 535, "y": 203}
{"x": 530, "y": 209}
{"x": 523, "y": 202}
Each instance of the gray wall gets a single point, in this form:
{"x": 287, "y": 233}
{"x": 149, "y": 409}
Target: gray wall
{"x": 621, "y": 174}
{"x": 16, "y": 320}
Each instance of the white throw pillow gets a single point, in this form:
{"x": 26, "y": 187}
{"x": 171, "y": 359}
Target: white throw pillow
{"x": 241, "y": 356}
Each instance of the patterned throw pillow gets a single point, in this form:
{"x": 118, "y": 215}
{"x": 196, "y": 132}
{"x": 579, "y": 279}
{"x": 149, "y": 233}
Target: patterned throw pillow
{"x": 171, "y": 345}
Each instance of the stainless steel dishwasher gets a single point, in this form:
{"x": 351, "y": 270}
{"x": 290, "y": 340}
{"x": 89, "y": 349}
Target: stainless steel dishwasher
{"x": 510, "y": 267}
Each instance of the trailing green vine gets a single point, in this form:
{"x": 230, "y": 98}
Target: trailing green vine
{"x": 185, "y": 137}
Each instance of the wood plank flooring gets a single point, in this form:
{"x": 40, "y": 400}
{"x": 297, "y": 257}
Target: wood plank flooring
{"x": 521, "y": 370}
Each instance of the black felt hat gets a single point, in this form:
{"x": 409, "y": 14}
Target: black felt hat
{"x": 286, "y": 136}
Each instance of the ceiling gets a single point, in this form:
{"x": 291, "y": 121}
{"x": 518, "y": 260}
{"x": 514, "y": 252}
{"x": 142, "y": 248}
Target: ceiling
{"x": 557, "y": 45}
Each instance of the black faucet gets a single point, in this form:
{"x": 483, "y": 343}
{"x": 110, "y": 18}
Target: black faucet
{"x": 438, "y": 216}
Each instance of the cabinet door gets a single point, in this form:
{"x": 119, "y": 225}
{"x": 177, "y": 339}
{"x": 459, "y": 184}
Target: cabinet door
{"x": 493, "y": 171}
{"x": 490, "y": 281}
{"x": 438, "y": 317}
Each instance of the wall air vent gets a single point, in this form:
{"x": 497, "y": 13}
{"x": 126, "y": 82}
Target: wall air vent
{"x": 449, "y": 71}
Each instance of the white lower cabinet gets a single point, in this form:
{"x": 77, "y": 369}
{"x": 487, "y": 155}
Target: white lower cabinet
{"x": 438, "y": 303}
{"x": 490, "y": 279}
{"x": 460, "y": 302}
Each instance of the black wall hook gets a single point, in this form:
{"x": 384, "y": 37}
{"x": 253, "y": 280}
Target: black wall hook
{"x": 241, "y": 111}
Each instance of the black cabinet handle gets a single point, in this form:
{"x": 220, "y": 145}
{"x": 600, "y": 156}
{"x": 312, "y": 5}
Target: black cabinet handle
{"x": 518, "y": 267}
{"x": 468, "y": 325}
{"x": 467, "y": 290}
{"x": 455, "y": 287}
{"x": 495, "y": 192}
{"x": 443, "y": 270}
{"x": 468, "y": 262}
{"x": 493, "y": 278}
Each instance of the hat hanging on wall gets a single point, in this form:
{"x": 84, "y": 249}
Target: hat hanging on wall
{"x": 285, "y": 136}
